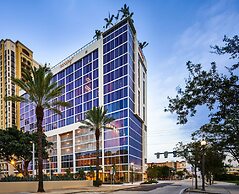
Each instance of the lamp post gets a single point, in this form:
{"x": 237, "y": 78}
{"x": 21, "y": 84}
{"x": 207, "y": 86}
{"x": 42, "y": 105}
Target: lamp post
{"x": 33, "y": 158}
{"x": 132, "y": 172}
{"x": 203, "y": 144}
{"x": 145, "y": 172}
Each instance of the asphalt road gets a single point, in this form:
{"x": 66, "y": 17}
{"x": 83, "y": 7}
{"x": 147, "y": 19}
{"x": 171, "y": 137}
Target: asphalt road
{"x": 169, "y": 187}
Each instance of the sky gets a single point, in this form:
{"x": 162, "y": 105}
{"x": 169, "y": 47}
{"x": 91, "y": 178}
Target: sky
{"x": 177, "y": 31}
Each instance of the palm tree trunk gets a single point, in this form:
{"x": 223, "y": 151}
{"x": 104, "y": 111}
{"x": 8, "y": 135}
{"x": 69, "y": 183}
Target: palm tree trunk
{"x": 26, "y": 163}
{"x": 97, "y": 137}
{"x": 40, "y": 115}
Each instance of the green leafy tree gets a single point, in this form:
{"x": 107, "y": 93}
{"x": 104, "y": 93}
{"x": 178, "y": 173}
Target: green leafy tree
{"x": 219, "y": 93}
{"x": 96, "y": 120}
{"x": 165, "y": 170}
{"x": 214, "y": 164}
{"x": 192, "y": 154}
{"x": 180, "y": 174}
{"x": 16, "y": 145}
{"x": 152, "y": 172}
{"x": 43, "y": 93}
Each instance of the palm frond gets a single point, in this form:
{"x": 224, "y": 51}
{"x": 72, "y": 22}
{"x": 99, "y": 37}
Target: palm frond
{"x": 55, "y": 110}
{"x": 61, "y": 103}
{"x": 97, "y": 119}
{"x": 86, "y": 125}
{"x": 20, "y": 83}
{"x": 54, "y": 92}
{"x": 16, "y": 98}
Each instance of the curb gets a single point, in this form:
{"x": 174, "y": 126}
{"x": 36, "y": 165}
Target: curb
{"x": 183, "y": 190}
{"x": 200, "y": 191}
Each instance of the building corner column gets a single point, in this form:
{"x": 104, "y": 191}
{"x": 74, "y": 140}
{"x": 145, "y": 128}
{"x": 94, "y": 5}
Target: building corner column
{"x": 58, "y": 143}
{"x": 74, "y": 151}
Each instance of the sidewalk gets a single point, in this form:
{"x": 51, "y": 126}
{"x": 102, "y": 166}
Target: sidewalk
{"x": 101, "y": 189}
{"x": 211, "y": 189}
{"x": 217, "y": 188}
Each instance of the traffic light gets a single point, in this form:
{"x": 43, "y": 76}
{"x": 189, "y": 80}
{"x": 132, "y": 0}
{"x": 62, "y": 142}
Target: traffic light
{"x": 174, "y": 154}
{"x": 158, "y": 155}
{"x": 165, "y": 154}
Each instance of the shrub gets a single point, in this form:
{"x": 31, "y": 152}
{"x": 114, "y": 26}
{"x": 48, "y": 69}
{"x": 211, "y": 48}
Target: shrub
{"x": 150, "y": 182}
{"x": 227, "y": 177}
{"x": 12, "y": 178}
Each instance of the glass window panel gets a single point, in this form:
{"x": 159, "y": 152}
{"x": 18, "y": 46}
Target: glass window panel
{"x": 78, "y": 91}
{"x": 78, "y": 64}
{"x": 69, "y": 70}
{"x": 95, "y": 64}
{"x": 95, "y": 74}
{"x": 78, "y": 100}
{"x": 70, "y": 120}
{"x": 96, "y": 102}
{"x": 95, "y": 83}
{"x": 78, "y": 73}
{"x": 69, "y": 78}
{"x": 95, "y": 54}
{"x": 78, "y": 82}
{"x": 87, "y": 68}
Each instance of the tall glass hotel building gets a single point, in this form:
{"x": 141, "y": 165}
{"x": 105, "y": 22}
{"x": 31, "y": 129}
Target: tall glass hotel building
{"x": 109, "y": 72}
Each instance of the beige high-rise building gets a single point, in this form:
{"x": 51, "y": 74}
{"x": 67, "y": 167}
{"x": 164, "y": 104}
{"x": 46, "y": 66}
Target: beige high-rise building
{"x": 14, "y": 56}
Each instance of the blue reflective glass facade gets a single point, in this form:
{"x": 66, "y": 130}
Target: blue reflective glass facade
{"x": 124, "y": 145}
{"x": 104, "y": 76}
{"x": 81, "y": 91}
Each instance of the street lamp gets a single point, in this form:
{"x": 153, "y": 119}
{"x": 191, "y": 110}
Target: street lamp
{"x": 12, "y": 162}
{"x": 33, "y": 158}
{"x": 203, "y": 144}
{"x": 145, "y": 172}
{"x": 132, "y": 172}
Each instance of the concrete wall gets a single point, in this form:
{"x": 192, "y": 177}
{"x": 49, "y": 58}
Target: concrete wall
{"x": 15, "y": 187}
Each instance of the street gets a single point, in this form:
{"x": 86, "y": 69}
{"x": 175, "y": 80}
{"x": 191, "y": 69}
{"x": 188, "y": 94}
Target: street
{"x": 175, "y": 187}
{"x": 163, "y": 187}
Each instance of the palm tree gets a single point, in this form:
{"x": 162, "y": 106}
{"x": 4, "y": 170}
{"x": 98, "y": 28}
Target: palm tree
{"x": 126, "y": 13}
{"x": 96, "y": 119}
{"x": 143, "y": 45}
{"x": 117, "y": 17}
{"x": 97, "y": 34}
{"x": 38, "y": 85}
{"x": 109, "y": 20}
